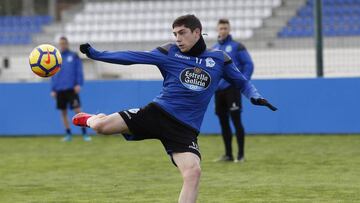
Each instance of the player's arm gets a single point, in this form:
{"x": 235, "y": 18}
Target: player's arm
{"x": 154, "y": 57}
{"x": 245, "y": 60}
{"x": 236, "y": 78}
{"x": 79, "y": 75}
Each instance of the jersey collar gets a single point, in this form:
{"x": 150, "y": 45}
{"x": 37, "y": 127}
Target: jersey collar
{"x": 197, "y": 49}
{"x": 227, "y": 39}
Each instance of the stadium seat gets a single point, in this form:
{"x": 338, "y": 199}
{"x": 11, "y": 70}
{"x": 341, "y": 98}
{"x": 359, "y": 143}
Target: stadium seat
{"x": 143, "y": 17}
{"x": 16, "y": 30}
{"x": 340, "y": 18}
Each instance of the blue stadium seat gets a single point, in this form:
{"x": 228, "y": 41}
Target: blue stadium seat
{"x": 340, "y": 18}
{"x": 18, "y": 29}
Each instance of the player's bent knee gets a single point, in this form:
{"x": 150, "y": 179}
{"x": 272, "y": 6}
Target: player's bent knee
{"x": 192, "y": 173}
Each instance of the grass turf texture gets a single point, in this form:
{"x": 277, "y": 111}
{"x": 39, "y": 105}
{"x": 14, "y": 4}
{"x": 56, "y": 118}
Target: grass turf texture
{"x": 109, "y": 169}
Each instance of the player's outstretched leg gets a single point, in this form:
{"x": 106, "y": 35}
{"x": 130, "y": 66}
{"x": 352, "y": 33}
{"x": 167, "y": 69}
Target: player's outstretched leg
{"x": 101, "y": 123}
{"x": 86, "y": 137}
{"x": 189, "y": 166}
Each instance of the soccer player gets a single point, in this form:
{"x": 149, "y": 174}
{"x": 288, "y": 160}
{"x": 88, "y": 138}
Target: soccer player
{"x": 228, "y": 97}
{"x": 66, "y": 86}
{"x": 191, "y": 75}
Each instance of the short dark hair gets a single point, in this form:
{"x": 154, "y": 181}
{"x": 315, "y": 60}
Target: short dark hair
{"x": 190, "y": 21}
{"x": 224, "y": 21}
{"x": 64, "y": 38}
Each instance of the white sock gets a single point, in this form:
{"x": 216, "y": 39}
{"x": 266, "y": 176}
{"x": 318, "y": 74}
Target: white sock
{"x": 89, "y": 120}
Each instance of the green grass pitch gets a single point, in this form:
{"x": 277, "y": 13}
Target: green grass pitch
{"x": 109, "y": 169}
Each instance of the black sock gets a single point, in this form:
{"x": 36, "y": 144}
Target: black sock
{"x": 83, "y": 130}
{"x": 68, "y": 131}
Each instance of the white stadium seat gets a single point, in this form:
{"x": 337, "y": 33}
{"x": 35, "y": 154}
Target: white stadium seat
{"x": 136, "y": 21}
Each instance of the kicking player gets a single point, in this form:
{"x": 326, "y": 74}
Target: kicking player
{"x": 228, "y": 97}
{"x": 191, "y": 75}
{"x": 66, "y": 86}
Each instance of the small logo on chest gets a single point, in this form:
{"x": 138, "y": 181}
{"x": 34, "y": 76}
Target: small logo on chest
{"x": 69, "y": 59}
{"x": 209, "y": 62}
{"x": 228, "y": 48}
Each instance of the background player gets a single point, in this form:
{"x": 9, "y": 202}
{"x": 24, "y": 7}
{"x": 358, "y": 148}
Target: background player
{"x": 191, "y": 75}
{"x": 66, "y": 86}
{"x": 228, "y": 97}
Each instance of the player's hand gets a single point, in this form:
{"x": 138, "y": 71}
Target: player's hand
{"x": 262, "y": 102}
{"x": 53, "y": 94}
{"x": 77, "y": 89}
{"x": 84, "y": 48}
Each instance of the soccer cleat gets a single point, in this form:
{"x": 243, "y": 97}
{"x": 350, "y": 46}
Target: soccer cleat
{"x": 67, "y": 138}
{"x": 86, "y": 138}
{"x": 225, "y": 158}
{"x": 239, "y": 160}
{"x": 80, "y": 119}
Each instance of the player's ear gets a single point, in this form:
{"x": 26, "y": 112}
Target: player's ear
{"x": 197, "y": 31}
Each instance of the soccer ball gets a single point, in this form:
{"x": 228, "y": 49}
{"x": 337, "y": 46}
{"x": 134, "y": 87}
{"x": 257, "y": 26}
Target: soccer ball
{"x": 45, "y": 60}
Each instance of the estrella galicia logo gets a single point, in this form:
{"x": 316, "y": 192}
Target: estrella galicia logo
{"x": 195, "y": 79}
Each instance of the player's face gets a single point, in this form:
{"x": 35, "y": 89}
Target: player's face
{"x": 185, "y": 38}
{"x": 223, "y": 30}
{"x": 63, "y": 44}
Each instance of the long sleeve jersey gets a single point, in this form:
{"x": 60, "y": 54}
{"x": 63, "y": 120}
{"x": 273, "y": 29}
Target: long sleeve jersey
{"x": 71, "y": 72}
{"x": 189, "y": 82}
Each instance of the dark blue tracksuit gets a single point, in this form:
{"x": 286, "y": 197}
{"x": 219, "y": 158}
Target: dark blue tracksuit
{"x": 228, "y": 98}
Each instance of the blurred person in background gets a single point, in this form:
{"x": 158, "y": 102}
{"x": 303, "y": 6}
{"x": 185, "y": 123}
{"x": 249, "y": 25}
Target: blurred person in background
{"x": 228, "y": 97}
{"x": 66, "y": 86}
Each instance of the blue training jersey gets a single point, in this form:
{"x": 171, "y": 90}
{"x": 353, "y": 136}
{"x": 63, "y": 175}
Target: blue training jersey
{"x": 240, "y": 57}
{"x": 189, "y": 82}
{"x": 70, "y": 74}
